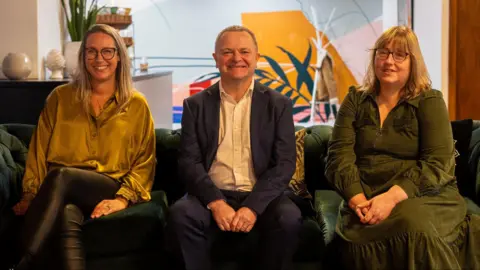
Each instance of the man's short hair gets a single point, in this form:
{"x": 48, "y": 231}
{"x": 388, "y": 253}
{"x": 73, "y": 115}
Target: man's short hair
{"x": 236, "y": 28}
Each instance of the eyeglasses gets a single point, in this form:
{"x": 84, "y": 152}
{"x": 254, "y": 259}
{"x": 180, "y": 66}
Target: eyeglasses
{"x": 107, "y": 53}
{"x": 398, "y": 56}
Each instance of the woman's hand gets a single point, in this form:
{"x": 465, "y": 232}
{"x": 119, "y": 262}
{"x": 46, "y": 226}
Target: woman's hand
{"x": 106, "y": 207}
{"x": 382, "y": 205}
{"x": 22, "y": 206}
{"x": 357, "y": 200}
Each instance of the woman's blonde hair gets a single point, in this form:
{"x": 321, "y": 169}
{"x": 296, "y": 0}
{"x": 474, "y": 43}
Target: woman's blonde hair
{"x": 418, "y": 79}
{"x": 123, "y": 78}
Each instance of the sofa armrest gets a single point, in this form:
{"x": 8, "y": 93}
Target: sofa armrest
{"x": 137, "y": 225}
{"x": 327, "y": 203}
{"x": 474, "y": 163}
{"x": 477, "y": 177}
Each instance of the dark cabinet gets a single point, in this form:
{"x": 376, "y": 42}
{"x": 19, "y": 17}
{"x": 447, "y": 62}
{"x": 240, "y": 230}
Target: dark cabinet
{"x": 22, "y": 101}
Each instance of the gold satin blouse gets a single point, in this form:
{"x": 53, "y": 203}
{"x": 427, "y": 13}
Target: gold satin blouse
{"x": 120, "y": 145}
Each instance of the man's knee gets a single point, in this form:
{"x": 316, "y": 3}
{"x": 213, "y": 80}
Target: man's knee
{"x": 288, "y": 216}
{"x": 188, "y": 211}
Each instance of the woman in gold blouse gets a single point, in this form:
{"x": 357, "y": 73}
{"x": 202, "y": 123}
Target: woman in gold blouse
{"x": 92, "y": 153}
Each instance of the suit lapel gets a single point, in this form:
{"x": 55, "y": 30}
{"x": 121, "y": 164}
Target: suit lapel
{"x": 259, "y": 104}
{"x": 211, "y": 120}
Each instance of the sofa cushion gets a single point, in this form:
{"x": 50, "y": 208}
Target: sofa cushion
{"x": 297, "y": 183}
{"x": 462, "y": 133}
{"x": 22, "y": 131}
{"x": 137, "y": 228}
{"x": 316, "y": 146}
{"x": 166, "y": 176}
{"x": 472, "y": 208}
{"x": 327, "y": 203}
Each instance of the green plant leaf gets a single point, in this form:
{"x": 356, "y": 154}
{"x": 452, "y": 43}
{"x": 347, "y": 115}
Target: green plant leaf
{"x": 326, "y": 106}
{"x": 79, "y": 18}
{"x": 308, "y": 57}
{"x": 334, "y": 109}
{"x": 289, "y": 94}
{"x": 276, "y": 67}
{"x": 267, "y": 84}
{"x": 69, "y": 22}
{"x": 281, "y": 87}
{"x": 207, "y": 77}
{"x": 305, "y": 119}
{"x": 264, "y": 74}
{"x": 300, "y": 108}
{"x": 303, "y": 75}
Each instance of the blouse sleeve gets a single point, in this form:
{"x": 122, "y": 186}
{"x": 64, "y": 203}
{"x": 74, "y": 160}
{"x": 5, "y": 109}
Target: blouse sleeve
{"x": 36, "y": 166}
{"x": 137, "y": 183}
{"x": 341, "y": 170}
{"x": 436, "y": 161}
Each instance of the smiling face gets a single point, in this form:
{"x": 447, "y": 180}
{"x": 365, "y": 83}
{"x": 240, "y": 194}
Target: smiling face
{"x": 392, "y": 66}
{"x": 236, "y": 56}
{"x": 101, "y": 57}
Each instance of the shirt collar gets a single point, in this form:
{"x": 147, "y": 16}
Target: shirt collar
{"x": 249, "y": 91}
{"x": 116, "y": 97}
{"x": 372, "y": 95}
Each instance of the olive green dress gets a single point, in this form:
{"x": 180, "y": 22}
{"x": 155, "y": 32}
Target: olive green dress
{"x": 414, "y": 149}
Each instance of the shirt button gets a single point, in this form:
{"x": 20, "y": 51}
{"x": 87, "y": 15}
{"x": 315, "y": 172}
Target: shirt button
{"x": 94, "y": 134}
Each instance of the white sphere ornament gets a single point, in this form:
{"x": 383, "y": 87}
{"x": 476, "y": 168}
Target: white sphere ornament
{"x": 16, "y": 66}
{"x": 55, "y": 63}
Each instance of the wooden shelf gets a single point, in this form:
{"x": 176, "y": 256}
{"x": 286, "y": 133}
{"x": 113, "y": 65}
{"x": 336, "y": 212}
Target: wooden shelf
{"x": 118, "y": 21}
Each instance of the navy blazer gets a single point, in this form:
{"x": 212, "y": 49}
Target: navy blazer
{"x": 272, "y": 141}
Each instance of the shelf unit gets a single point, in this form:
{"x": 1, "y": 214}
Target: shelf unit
{"x": 121, "y": 22}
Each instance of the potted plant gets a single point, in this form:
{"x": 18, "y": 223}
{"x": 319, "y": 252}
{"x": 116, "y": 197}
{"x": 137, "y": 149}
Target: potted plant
{"x": 79, "y": 20}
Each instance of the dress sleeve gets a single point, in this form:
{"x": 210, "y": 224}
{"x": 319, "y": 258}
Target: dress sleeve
{"x": 341, "y": 170}
{"x": 36, "y": 165}
{"x": 436, "y": 162}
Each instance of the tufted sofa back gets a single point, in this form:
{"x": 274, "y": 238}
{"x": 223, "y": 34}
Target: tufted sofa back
{"x": 316, "y": 145}
{"x": 168, "y": 142}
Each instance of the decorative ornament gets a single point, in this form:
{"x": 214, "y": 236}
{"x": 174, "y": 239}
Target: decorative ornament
{"x": 55, "y": 63}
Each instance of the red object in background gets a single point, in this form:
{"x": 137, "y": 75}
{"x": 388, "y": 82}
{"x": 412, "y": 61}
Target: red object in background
{"x": 199, "y": 86}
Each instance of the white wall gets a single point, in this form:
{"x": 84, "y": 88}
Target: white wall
{"x": 389, "y": 13}
{"x": 32, "y": 27}
{"x": 445, "y": 47}
{"x": 18, "y": 30}
{"x": 49, "y": 30}
{"x": 430, "y": 23}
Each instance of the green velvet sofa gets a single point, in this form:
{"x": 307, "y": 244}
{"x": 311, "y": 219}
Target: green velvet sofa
{"x": 134, "y": 238}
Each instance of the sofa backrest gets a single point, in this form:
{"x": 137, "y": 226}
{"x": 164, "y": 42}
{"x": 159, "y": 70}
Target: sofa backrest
{"x": 168, "y": 142}
{"x": 166, "y": 170}
{"x": 316, "y": 145}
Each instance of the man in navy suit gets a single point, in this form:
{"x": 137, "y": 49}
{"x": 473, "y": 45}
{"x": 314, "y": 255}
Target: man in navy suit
{"x": 237, "y": 156}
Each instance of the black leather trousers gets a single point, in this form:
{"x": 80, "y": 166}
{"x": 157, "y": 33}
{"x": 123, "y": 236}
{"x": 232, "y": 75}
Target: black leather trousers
{"x": 66, "y": 196}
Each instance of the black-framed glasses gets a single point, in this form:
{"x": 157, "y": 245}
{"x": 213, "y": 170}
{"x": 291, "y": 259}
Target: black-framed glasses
{"x": 398, "y": 56}
{"x": 107, "y": 53}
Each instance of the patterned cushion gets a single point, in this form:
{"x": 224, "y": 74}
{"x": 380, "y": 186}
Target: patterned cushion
{"x": 297, "y": 184}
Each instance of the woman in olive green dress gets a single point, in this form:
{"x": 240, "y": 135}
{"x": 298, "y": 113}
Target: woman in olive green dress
{"x": 391, "y": 157}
